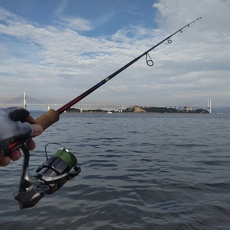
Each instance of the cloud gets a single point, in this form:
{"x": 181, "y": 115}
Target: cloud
{"x": 203, "y": 52}
{"x": 76, "y": 24}
{"x": 58, "y": 62}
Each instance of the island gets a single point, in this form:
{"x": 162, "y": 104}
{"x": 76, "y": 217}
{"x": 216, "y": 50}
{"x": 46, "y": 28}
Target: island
{"x": 144, "y": 109}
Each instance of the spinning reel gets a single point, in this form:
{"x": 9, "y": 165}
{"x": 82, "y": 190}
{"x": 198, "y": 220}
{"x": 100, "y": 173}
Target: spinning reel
{"x": 48, "y": 177}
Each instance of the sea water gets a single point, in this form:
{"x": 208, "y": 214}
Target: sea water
{"x": 139, "y": 171}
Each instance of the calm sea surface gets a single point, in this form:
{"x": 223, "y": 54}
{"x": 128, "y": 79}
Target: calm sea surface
{"x": 139, "y": 171}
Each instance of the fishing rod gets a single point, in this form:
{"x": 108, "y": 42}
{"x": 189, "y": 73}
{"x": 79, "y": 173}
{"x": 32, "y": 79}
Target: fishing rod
{"x": 61, "y": 167}
{"x": 52, "y": 116}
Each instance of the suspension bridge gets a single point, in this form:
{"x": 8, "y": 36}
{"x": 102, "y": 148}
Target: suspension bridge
{"x": 26, "y": 101}
{"x": 29, "y": 102}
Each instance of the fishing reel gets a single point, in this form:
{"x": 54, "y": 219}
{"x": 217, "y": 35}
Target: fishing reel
{"x": 48, "y": 177}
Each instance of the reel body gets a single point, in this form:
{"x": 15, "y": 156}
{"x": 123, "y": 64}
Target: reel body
{"x": 48, "y": 178}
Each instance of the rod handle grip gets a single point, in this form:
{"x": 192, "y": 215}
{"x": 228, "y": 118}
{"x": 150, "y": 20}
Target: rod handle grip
{"x": 48, "y": 118}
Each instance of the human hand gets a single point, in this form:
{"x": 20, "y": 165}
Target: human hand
{"x": 16, "y": 124}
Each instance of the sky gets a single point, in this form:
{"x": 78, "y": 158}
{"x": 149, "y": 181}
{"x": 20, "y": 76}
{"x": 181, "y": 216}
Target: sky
{"x": 54, "y": 50}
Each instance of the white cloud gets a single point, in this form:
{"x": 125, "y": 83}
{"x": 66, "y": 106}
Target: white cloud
{"x": 58, "y": 62}
{"x": 76, "y": 24}
{"x": 202, "y": 52}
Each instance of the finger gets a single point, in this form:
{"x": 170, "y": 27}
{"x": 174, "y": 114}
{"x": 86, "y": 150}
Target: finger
{"x": 5, "y": 161}
{"x": 36, "y": 130}
{"x": 19, "y": 114}
{"x": 15, "y": 155}
{"x": 30, "y": 119}
{"x": 30, "y": 144}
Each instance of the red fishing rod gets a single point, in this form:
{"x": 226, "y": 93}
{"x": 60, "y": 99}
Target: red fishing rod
{"x": 52, "y": 116}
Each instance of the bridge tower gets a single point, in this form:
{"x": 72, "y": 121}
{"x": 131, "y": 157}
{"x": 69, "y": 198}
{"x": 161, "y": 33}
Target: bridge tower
{"x": 210, "y": 105}
{"x": 24, "y": 100}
